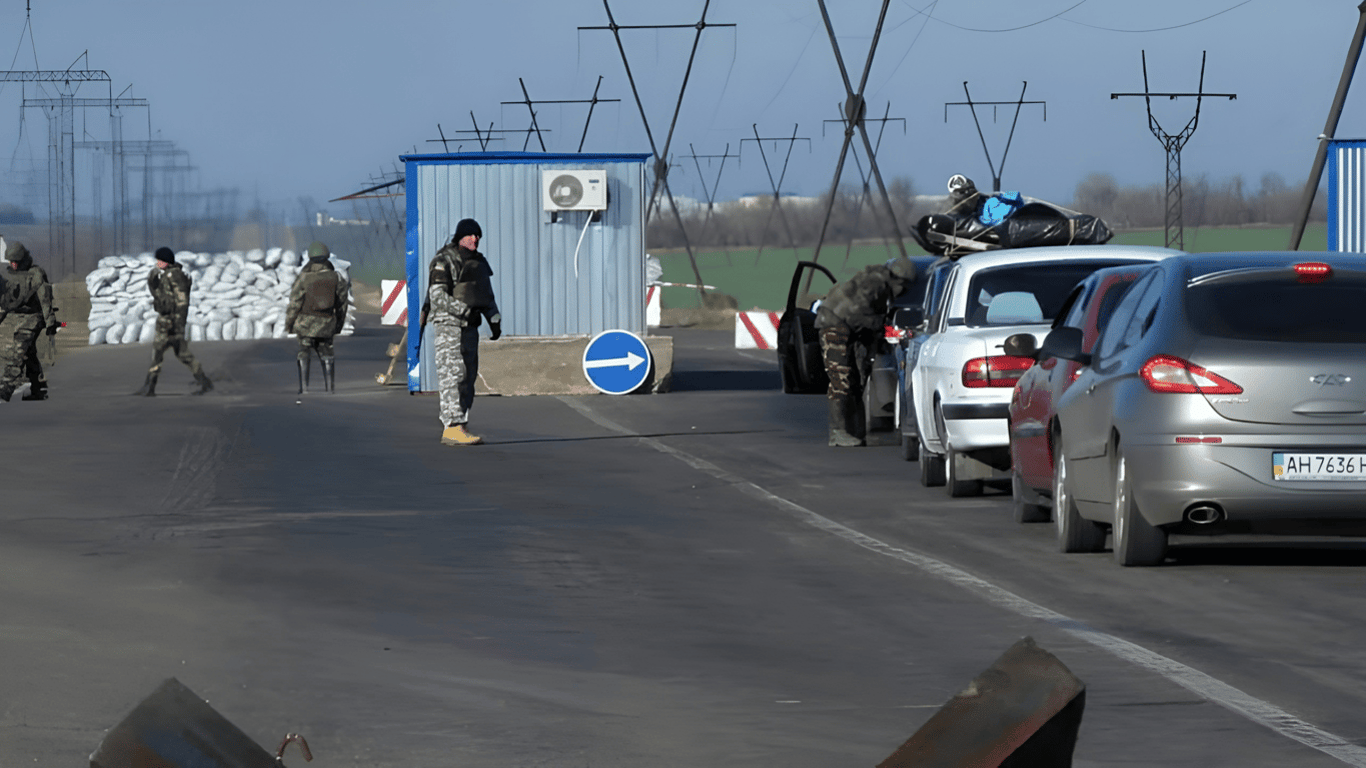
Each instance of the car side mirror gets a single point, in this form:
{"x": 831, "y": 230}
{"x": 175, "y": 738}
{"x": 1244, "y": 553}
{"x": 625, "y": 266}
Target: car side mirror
{"x": 908, "y": 318}
{"x": 1021, "y": 345}
{"x": 1064, "y": 343}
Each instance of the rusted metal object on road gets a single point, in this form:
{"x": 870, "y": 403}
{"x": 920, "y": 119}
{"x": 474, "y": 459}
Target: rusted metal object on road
{"x": 1024, "y": 710}
{"x": 174, "y": 728}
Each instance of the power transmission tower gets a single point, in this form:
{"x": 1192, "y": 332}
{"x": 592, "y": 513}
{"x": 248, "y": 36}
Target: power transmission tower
{"x": 661, "y": 164}
{"x": 531, "y": 108}
{"x": 854, "y": 114}
{"x": 61, "y": 116}
{"x": 776, "y": 184}
{"x": 973, "y": 105}
{"x": 711, "y": 192}
{"x": 866, "y": 196}
{"x": 1173, "y": 143}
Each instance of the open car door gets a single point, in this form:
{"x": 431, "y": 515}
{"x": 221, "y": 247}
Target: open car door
{"x": 799, "y": 348}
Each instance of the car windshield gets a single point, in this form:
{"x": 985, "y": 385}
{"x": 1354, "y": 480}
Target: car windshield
{"x": 1280, "y": 309}
{"x": 1023, "y": 294}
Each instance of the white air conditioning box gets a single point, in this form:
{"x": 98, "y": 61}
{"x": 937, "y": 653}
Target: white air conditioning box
{"x": 574, "y": 190}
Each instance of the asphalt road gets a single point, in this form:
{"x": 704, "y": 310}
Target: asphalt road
{"x": 690, "y": 579}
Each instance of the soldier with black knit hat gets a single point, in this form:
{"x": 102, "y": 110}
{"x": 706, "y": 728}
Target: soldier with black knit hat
{"x": 170, "y": 288}
{"x": 317, "y": 311}
{"x": 25, "y": 311}
{"x": 460, "y": 292}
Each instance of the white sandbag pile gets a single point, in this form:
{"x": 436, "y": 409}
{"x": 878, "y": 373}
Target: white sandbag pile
{"x": 233, "y": 295}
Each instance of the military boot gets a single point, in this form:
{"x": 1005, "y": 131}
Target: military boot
{"x": 36, "y": 391}
{"x": 204, "y": 384}
{"x": 458, "y": 435}
{"x": 330, "y": 374}
{"x": 305, "y": 368}
{"x": 840, "y": 436}
{"x": 149, "y": 387}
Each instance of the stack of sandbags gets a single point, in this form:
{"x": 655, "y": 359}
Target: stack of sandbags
{"x": 233, "y": 295}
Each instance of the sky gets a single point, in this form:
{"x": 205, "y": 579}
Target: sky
{"x": 287, "y": 99}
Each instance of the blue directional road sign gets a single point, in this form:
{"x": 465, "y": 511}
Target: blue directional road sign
{"x": 616, "y": 362}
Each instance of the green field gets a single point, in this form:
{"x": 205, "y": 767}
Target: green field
{"x": 761, "y": 282}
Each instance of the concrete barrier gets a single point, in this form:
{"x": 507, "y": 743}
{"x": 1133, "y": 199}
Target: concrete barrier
{"x": 553, "y": 365}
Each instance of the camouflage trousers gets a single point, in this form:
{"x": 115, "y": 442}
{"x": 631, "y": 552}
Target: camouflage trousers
{"x": 177, "y": 343}
{"x": 457, "y": 368}
{"x": 840, "y": 350}
{"x": 323, "y": 344}
{"x": 18, "y": 334}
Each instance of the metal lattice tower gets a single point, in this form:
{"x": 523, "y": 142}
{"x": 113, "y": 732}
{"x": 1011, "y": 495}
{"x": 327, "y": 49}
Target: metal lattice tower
{"x": 776, "y": 184}
{"x": 1173, "y": 143}
{"x": 531, "y": 108}
{"x": 973, "y": 105}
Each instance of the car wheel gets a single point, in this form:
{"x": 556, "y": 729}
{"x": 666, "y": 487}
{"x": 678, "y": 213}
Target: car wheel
{"x": 1075, "y": 533}
{"x": 931, "y": 467}
{"x": 1136, "y": 541}
{"x": 1025, "y": 512}
{"x": 955, "y": 486}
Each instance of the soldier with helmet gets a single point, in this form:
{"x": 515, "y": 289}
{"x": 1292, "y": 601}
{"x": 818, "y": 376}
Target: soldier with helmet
{"x": 317, "y": 311}
{"x": 850, "y": 320}
{"x": 25, "y": 312}
{"x": 170, "y": 288}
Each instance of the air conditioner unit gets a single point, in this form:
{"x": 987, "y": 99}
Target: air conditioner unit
{"x": 574, "y": 190}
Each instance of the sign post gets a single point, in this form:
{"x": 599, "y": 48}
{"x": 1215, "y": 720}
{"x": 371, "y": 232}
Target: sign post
{"x": 616, "y": 362}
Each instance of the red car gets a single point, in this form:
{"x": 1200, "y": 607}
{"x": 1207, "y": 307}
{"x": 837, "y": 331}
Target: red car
{"x": 1032, "y": 404}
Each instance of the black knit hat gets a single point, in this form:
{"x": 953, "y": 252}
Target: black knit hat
{"x": 166, "y": 254}
{"x": 466, "y": 227}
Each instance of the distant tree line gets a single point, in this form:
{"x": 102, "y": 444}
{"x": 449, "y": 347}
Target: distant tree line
{"x": 860, "y": 215}
{"x": 1205, "y": 202}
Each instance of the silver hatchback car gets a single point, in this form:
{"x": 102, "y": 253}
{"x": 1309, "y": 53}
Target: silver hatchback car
{"x": 1227, "y": 394}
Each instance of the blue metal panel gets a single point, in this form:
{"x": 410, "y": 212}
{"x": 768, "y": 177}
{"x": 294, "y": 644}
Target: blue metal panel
{"x": 1347, "y": 195}
{"x": 554, "y": 275}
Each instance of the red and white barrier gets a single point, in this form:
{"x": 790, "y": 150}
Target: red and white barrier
{"x": 393, "y": 302}
{"x": 652, "y": 307}
{"x": 756, "y": 330}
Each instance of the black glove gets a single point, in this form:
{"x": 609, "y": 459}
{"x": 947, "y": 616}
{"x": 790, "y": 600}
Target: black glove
{"x": 52, "y": 330}
{"x": 495, "y": 330}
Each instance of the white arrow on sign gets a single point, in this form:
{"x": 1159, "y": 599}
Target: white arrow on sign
{"x": 631, "y": 361}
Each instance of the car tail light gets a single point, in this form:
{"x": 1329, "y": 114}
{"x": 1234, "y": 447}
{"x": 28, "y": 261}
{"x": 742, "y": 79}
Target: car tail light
{"x": 892, "y": 334}
{"x": 998, "y": 371}
{"x": 1313, "y": 271}
{"x": 1169, "y": 374}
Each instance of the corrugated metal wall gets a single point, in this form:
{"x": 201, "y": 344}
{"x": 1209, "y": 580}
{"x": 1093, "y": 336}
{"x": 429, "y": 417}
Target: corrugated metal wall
{"x": 542, "y": 288}
{"x": 1347, "y": 195}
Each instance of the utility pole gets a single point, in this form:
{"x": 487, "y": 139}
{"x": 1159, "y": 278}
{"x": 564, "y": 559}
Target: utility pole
{"x": 711, "y": 192}
{"x": 973, "y": 105}
{"x": 661, "y": 164}
{"x": 1173, "y": 143}
{"x": 531, "y": 107}
{"x": 776, "y": 185}
{"x": 1311, "y": 187}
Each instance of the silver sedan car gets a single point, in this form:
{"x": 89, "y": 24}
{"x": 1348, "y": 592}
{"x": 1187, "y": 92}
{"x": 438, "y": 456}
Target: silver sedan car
{"x": 1227, "y": 394}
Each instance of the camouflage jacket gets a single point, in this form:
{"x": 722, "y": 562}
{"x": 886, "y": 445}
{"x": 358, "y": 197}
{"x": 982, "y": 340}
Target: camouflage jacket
{"x": 27, "y": 291}
{"x": 860, "y": 303}
{"x": 170, "y": 297}
{"x": 318, "y": 301}
{"x": 460, "y": 288}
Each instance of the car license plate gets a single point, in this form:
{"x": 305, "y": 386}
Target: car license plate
{"x": 1318, "y": 466}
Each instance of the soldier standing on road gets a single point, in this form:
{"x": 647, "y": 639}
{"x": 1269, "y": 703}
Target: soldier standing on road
{"x": 317, "y": 312}
{"x": 25, "y": 312}
{"x": 849, "y": 320}
{"x": 460, "y": 291}
{"x": 170, "y": 288}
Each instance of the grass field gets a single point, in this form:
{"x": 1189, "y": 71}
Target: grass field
{"x": 761, "y": 281}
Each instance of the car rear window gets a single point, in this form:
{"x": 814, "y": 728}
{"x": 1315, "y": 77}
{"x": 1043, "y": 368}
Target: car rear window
{"x": 1280, "y": 309}
{"x": 1031, "y": 293}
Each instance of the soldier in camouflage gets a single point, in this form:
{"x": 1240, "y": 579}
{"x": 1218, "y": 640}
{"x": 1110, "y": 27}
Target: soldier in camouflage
{"x": 460, "y": 292}
{"x": 850, "y": 320}
{"x": 26, "y": 311}
{"x": 317, "y": 311}
{"x": 170, "y": 288}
